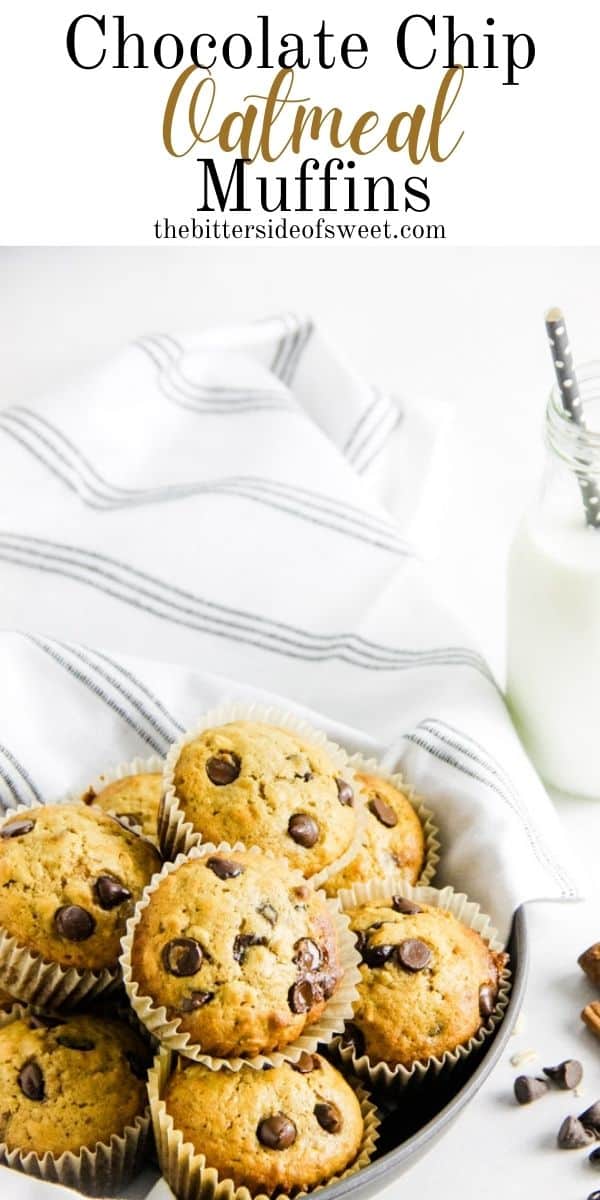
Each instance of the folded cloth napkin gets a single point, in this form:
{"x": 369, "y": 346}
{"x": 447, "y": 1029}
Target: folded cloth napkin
{"x": 229, "y": 515}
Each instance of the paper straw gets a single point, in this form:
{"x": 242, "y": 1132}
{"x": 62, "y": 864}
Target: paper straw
{"x": 572, "y": 403}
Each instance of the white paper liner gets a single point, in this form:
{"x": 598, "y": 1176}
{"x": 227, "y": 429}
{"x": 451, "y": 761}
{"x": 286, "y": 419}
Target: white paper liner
{"x": 33, "y": 980}
{"x": 15, "y": 1013}
{"x": 154, "y": 764}
{"x": 370, "y": 766}
{"x": 331, "y": 1022}
{"x": 103, "y": 1171}
{"x": 187, "y": 1171}
{"x": 177, "y": 835}
{"x": 380, "y": 1074}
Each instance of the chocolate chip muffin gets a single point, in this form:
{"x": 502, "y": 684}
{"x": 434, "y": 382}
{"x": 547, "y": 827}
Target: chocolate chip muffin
{"x": 392, "y": 839}
{"x": 70, "y": 1083}
{"x": 239, "y": 949}
{"x": 285, "y": 1129}
{"x": 428, "y": 982}
{"x": 69, "y": 879}
{"x": 134, "y": 799}
{"x": 264, "y": 786}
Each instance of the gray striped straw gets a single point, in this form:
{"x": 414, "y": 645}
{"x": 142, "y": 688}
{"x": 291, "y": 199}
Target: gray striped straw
{"x": 570, "y": 395}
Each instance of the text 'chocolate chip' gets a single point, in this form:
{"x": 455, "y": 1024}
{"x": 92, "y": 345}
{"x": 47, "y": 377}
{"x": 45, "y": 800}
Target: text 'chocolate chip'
{"x": 345, "y": 792}
{"x": 413, "y": 955}
{"x": 223, "y": 768}
{"x": 276, "y": 1132}
{"x": 303, "y": 829}
{"x": 110, "y": 892}
{"x": 31, "y": 1081}
{"x": 328, "y": 1116}
{"x": 224, "y": 868}
{"x": 74, "y": 923}
{"x": 182, "y": 956}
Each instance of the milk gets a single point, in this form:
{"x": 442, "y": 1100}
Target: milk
{"x": 553, "y": 666}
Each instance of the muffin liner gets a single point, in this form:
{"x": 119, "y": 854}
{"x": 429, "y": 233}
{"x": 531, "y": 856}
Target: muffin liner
{"x": 31, "y": 979}
{"x": 187, "y": 1172}
{"x": 331, "y": 1022}
{"x": 370, "y": 766}
{"x": 103, "y": 1171}
{"x": 137, "y": 766}
{"x": 14, "y": 1013}
{"x": 177, "y": 835}
{"x": 379, "y": 1074}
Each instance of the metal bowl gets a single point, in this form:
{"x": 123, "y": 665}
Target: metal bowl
{"x": 432, "y": 1108}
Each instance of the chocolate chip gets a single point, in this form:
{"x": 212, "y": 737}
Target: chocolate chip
{"x": 572, "y": 1135}
{"x": 591, "y": 1117}
{"x": 487, "y": 1001}
{"x": 268, "y": 912}
{"x": 40, "y": 1021}
{"x": 182, "y": 956}
{"x": 276, "y": 1132}
{"x": 593, "y": 1195}
{"x": 413, "y": 955}
{"x": 384, "y": 812}
{"x": 136, "y": 1065}
{"x": 566, "y": 1075}
{"x": 223, "y": 768}
{"x": 130, "y": 820}
{"x": 302, "y": 892}
{"x": 307, "y": 1063}
{"x": 595, "y": 1159}
{"x": 31, "y": 1081}
{"x": 307, "y": 956}
{"x": 303, "y": 995}
{"x": 353, "y": 1036}
{"x": 243, "y": 941}
{"x": 408, "y": 908}
{"x": 194, "y": 1001}
{"x": 328, "y": 1116}
{"x": 224, "y": 868}
{"x": 345, "y": 792}
{"x": 16, "y": 828}
{"x": 303, "y": 829}
{"x": 377, "y": 956}
{"x": 72, "y": 1042}
{"x": 74, "y": 923}
{"x": 110, "y": 892}
{"x": 528, "y": 1089}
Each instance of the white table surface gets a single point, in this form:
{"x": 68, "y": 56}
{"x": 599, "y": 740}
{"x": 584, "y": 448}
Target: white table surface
{"x": 461, "y": 324}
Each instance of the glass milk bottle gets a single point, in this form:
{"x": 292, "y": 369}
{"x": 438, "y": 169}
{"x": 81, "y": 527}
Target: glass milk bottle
{"x": 553, "y": 668}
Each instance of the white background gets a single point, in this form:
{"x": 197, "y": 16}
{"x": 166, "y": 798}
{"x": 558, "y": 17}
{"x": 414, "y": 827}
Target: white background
{"x": 82, "y": 153}
{"x": 465, "y": 326}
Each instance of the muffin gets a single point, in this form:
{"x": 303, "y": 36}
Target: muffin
{"x": 428, "y": 983}
{"x": 69, "y": 879}
{"x": 134, "y": 800}
{"x": 285, "y": 1129}
{"x": 392, "y": 839}
{"x": 68, "y": 1085}
{"x": 265, "y": 786}
{"x": 238, "y": 949}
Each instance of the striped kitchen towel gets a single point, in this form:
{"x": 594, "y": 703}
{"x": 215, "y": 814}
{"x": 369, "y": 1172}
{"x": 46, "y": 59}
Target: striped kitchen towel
{"x": 230, "y": 514}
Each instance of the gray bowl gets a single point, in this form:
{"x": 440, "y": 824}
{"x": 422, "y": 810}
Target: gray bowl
{"x": 431, "y": 1109}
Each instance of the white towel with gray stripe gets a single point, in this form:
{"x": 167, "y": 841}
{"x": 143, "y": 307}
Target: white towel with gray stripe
{"x": 230, "y": 515}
